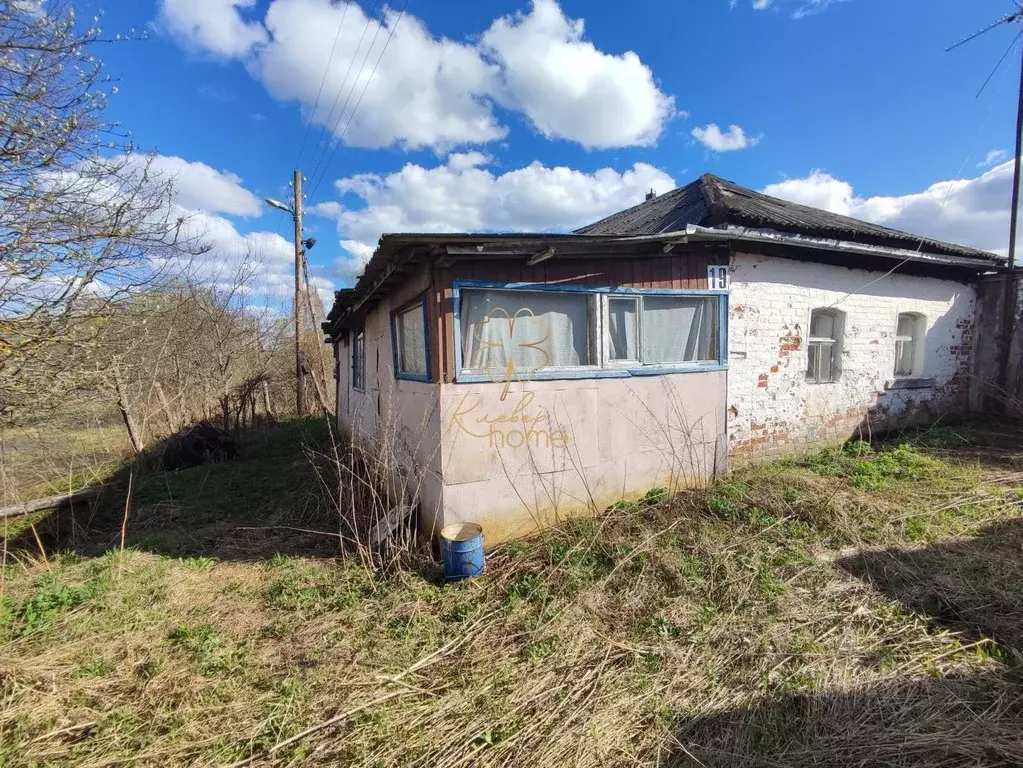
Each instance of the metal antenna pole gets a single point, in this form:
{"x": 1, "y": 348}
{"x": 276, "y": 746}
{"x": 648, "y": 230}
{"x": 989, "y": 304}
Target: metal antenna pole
{"x": 299, "y": 319}
{"x": 1014, "y": 214}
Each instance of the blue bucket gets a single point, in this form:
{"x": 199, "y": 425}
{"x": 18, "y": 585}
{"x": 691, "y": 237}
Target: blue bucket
{"x": 461, "y": 546}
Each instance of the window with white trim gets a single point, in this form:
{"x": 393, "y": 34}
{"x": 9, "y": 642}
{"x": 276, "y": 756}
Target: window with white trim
{"x": 359, "y": 360}
{"x": 517, "y": 333}
{"x": 824, "y": 345}
{"x": 909, "y": 334}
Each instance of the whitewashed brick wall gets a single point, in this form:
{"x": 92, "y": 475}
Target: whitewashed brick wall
{"x": 772, "y": 407}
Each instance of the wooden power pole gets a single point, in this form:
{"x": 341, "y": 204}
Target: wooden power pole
{"x": 299, "y": 318}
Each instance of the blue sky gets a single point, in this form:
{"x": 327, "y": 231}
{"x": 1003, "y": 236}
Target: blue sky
{"x": 546, "y": 115}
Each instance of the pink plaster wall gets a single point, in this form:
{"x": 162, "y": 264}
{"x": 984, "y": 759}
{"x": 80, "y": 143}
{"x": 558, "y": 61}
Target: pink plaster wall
{"x": 401, "y": 416}
{"x": 553, "y": 449}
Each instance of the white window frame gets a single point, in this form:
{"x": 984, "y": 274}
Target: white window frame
{"x": 917, "y": 339}
{"x": 833, "y": 345}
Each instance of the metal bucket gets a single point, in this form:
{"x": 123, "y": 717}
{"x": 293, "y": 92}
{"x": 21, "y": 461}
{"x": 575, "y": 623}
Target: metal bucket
{"x": 461, "y": 547}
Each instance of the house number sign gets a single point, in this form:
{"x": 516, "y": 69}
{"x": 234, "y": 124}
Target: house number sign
{"x": 717, "y": 277}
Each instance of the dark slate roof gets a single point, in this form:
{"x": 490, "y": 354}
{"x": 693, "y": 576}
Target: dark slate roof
{"x": 714, "y": 202}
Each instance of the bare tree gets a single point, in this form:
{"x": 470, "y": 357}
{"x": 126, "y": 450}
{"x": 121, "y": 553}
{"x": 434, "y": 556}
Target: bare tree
{"x": 83, "y": 221}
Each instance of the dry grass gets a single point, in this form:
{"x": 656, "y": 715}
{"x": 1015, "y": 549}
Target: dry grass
{"x": 44, "y": 462}
{"x": 754, "y": 623}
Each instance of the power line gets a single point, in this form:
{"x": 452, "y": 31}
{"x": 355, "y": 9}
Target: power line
{"x": 341, "y": 90}
{"x": 948, "y": 188}
{"x": 323, "y": 80}
{"x": 355, "y": 110}
{"x": 999, "y": 64}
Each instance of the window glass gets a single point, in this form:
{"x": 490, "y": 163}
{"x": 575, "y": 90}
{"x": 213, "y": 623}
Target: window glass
{"x": 523, "y": 332}
{"x": 823, "y": 346}
{"x": 906, "y": 340}
{"x": 822, "y": 325}
{"x": 410, "y": 329}
{"x": 623, "y": 329}
{"x": 359, "y": 361}
{"x": 679, "y": 329}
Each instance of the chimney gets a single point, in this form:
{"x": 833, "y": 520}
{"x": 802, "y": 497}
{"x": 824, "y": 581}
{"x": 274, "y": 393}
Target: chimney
{"x": 651, "y": 195}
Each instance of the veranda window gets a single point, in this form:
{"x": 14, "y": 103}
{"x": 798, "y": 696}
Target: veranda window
{"x": 524, "y": 332}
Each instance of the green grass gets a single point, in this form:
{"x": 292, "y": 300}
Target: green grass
{"x": 794, "y": 613}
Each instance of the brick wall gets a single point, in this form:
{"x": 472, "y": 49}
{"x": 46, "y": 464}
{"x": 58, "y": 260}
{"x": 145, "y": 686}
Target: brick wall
{"x": 772, "y": 406}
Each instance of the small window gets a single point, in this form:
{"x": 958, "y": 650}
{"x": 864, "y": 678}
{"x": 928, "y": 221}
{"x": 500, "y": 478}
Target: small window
{"x": 824, "y": 346}
{"x": 908, "y": 349}
{"x": 523, "y": 332}
{"x": 410, "y": 347}
{"x": 359, "y": 360}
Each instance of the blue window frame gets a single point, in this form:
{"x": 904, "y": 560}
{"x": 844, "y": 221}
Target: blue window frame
{"x": 359, "y": 360}
{"x": 410, "y": 341}
{"x": 586, "y": 332}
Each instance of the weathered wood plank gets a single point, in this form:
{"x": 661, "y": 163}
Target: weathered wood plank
{"x": 51, "y": 502}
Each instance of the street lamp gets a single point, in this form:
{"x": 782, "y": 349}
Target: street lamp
{"x": 296, "y": 216}
{"x": 278, "y": 205}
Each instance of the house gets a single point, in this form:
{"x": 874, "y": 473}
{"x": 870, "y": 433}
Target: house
{"x": 525, "y": 377}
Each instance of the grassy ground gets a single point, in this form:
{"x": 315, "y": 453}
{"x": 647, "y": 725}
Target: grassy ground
{"x": 853, "y": 607}
{"x": 45, "y": 462}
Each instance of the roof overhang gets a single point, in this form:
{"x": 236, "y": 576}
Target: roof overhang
{"x": 772, "y": 237}
{"x": 398, "y": 255}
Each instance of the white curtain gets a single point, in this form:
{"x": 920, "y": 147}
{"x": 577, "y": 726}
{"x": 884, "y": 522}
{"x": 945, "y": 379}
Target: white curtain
{"x": 532, "y": 329}
{"x": 678, "y": 329}
{"x": 623, "y": 328}
{"x": 412, "y": 341}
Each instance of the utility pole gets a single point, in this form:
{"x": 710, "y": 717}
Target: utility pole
{"x": 299, "y": 319}
{"x": 1009, "y": 295}
{"x": 301, "y": 246}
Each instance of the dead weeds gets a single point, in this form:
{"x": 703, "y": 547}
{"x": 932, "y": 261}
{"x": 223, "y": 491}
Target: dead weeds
{"x": 712, "y": 628}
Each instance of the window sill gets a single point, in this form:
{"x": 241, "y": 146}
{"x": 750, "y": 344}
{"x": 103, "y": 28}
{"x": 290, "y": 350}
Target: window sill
{"x": 910, "y": 382}
{"x": 474, "y": 377}
{"x": 413, "y": 377}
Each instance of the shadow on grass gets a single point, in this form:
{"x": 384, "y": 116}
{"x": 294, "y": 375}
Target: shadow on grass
{"x": 948, "y": 722}
{"x": 972, "y": 586}
{"x": 247, "y": 508}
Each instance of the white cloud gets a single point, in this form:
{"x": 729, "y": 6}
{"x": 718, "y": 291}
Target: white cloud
{"x": 426, "y": 92}
{"x": 461, "y": 161}
{"x": 972, "y": 212}
{"x": 211, "y": 26}
{"x": 994, "y": 157}
{"x": 716, "y": 140}
{"x": 799, "y": 9}
{"x": 198, "y": 186}
{"x": 203, "y": 200}
{"x": 431, "y": 91}
{"x": 570, "y": 89}
{"x": 813, "y": 7}
{"x": 456, "y": 198}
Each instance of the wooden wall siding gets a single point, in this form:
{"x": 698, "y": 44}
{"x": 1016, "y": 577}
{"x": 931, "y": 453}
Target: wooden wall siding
{"x": 679, "y": 271}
